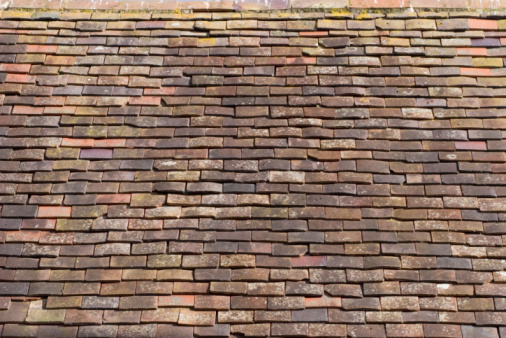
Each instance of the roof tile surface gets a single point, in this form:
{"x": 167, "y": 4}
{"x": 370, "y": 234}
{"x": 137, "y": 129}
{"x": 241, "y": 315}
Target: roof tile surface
{"x": 318, "y": 173}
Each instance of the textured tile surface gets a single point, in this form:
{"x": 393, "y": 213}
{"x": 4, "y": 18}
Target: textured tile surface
{"x": 314, "y": 173}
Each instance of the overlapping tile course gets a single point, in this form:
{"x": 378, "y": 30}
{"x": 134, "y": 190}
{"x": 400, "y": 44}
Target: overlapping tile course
{"x": 312, "y": 173}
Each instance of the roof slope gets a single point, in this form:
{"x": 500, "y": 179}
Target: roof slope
{"x": 313, "y": 173}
